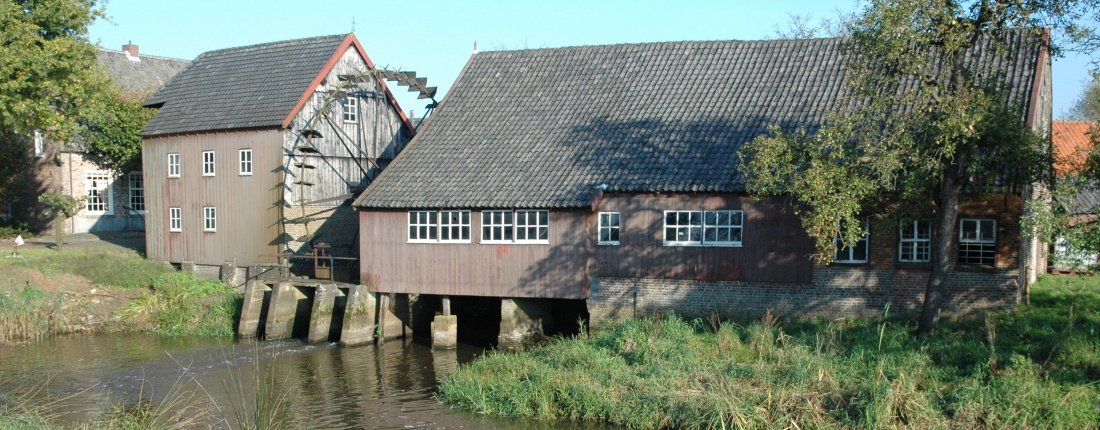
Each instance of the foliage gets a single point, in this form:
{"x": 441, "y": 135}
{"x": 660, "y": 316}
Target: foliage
{"x": 805, "y": 27}
{"x": 117, "y": 269}
{"x": 27, "y": 312}
{"x": 1087, "y": 106}
{"x": 15, "y": 161}
{"x": 113, "y": 135}
{"x": 10, "y": 228}
{"x": 1032, "y": 368}
{"x": 261, "y": 397}
{"x": 65, "y": 207}
{"x": 182, "y": 305}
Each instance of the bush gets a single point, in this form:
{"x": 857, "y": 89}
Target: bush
{"x": 10, "y": 228}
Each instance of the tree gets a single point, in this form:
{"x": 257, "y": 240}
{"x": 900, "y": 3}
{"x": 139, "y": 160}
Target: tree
{"x": 63, "y": 207}
{"x": 1087, "y": 106}
{"x": 921, "y": 122}
{"x": 113, "y": 135}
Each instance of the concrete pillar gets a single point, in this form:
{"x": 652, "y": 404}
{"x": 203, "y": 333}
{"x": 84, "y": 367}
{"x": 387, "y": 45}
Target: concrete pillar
{"x": 360, "y": 316}
{"x": 253, "y": 309}
{"x": 324, "y": 319}
{"x": 394, "y": 315}
{"x": 522, "y": 322}
{"x": 188, "y": 267}
{"x": 445, "y": 332}
{"x": 282, "y": 311}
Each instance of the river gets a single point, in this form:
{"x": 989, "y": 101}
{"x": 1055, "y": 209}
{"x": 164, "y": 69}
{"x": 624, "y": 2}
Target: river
{"x": 384, "y": 386}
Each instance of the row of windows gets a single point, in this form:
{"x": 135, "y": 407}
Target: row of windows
{"x": 98, "y": 194}
{"x": 209, "y": 219}
{"x": 244, "y": 159}
{"x": 977, "y": 237}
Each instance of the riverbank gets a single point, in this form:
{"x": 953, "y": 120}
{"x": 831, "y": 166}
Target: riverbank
{"x": 1036, "y": 367}
{"x": 46, "y": 292}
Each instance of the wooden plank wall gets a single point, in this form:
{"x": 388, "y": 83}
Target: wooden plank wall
{"x": 390, "y": 264}
{"x": 248, "y": 219}
{"x": 775, "y": 247}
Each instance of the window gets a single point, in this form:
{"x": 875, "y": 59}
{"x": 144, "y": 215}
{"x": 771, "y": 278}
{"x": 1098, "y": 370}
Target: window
{"x": 423, "y": 226}
{"x": 351, "y": 109}
{"x": 853, "y": 254}
{"x": 209, "y": 218}
{"x": 977, "y": 241}
{"x": 705, "y": 228}
{"x": 175, "y": 220}
{"x": 916, "y": 242}
{"x": 454, "y": 226}
{"x": 97, "y": 186}
{"x": 496, "y": 226}
{"x": 246, "y": 161}
{"x": 532, "y": 226}
{"x": 608, "y": 228}
{"x": 173, "y": 165}
{"x": 39, "y": 145}
{"x": 137, "y": 192}
{"x": 208, "y": 163}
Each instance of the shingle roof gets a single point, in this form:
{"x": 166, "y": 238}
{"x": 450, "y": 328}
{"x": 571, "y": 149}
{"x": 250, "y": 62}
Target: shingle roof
{"x": 246, "y": 87}
{"x": 1069, "y": 139}
{"x": 541, "y": 128}
{"x": 151, "y": 72}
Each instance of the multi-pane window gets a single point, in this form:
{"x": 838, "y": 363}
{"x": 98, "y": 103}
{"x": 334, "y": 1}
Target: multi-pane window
{"x": 208, "y": 163}
{"x": 496, "y": 226}
{"x": 173, "y": 165}
{"x": 532, "y": 226}
{"x": 97, "y": 186}
{"x": 423, "y": 226}
{"x": 246, "y": 161}
{"x": 608, "y": 228}
{"x": 977, "y": 241}
{"x": 857, "y": 253}
{"x": 454, "y": 226}
{"x": 39, "y": 145}
{"x": 351, "y": 109}
{"x": 175, "y": 219}
{"x": 916, "y": 242}
{"x": 209, "y": 218}
{"x": 707, "y": 228}
{"x": 137, "y": 192}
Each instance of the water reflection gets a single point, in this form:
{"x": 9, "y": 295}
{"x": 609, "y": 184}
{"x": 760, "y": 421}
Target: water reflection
{"x": 386, "y": 386}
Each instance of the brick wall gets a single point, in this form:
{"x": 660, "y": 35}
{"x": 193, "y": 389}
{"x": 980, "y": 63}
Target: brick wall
{"x": 835, "y": 292}
{"x": 338, "y": 226}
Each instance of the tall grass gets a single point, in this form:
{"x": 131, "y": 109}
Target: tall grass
{"x": 180, "y": 304}
{"x": 1033, "y": 368}
{"x": 30, "y": 313}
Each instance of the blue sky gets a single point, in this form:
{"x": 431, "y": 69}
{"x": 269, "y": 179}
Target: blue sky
{"x": 435, "y": 38}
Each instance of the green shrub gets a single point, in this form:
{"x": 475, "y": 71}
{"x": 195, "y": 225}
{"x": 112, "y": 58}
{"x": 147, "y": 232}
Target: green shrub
{"x": 10, "y": 228}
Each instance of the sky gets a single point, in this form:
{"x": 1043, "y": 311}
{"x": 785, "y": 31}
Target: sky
{"x": 435, "y": 38}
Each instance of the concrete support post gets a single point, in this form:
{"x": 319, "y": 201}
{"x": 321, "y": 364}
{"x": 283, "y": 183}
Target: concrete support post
{"x": 252, "y": 310}
{"x": 322, "y": 317}
{"x": 522, "y": 322}
{"x": 394, "y": 315}
{"x": 445, "y": 332}
{"x": 360, "y": 316}
{"x": 446, "y": 305}
{"x": 282, "y": 311}
{"x": 188, "y": 267}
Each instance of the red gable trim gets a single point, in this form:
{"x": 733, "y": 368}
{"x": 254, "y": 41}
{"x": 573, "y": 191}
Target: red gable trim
{"x": 1037, "y": 83}
{"x": 350, "y": 40}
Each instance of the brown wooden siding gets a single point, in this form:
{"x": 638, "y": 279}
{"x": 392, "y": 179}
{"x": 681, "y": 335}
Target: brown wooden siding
{"x": 248, "y": 219}
{"x": 774, "y": 248}
{"x": 390, "y": 264}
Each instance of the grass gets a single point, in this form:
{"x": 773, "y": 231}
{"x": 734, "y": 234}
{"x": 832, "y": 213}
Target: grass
{"x": 182, "y": 305}
{"x": 1036, "y": 367}
{"x": 125, "y": 270}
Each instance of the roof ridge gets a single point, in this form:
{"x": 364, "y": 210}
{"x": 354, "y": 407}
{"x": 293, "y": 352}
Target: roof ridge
{"x": 279, "y": 42}
{"x": 1075, "y": 121}
{"x": 670, "y": 42}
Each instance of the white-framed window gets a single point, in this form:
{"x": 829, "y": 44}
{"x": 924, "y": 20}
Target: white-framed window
{"x": 209, "y": 218}
{"x": 977, "y": 241}
{"x": 454, "y": 226}
{"x": 97, "y": 186}
{"x": 608, "y": 228}
{"x": 915, "y": 245}
{"x": 703, "y": 228}
{"x": 208, "y": 163}
{"x": 858, "y": 253}
{"x": 137, "y": 192}
{"x": 496, "y": 227}
{"x": 39, "y": 145}
{"x": 175, "y": 220}
{"x": 173, "y": 165}
{"x": 245, "y": 156}
{"x": 532, "y": 226}
{"x": 351, "y": 109}
{"x": 423, "y": 226}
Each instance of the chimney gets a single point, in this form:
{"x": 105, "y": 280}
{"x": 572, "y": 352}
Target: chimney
{"x": 131, "y": 49}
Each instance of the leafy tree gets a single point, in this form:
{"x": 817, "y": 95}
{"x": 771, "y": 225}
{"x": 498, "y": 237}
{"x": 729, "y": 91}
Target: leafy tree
{"x": 1087, "y": 106}
{"x": 113, "y": 135}
{"x": 921, "y": 123}
{"x": 63, "y": 207}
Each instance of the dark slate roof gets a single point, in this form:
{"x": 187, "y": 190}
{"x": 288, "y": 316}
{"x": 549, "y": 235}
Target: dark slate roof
{"x": 1087, "y": 201}
{"x": 246, "y": 87}
{"x": 148, "y": 73}
{"x": 542, "y": 128}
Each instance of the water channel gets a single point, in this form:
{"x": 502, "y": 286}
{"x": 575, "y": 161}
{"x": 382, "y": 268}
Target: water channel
{"x": 384, "y": 386}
